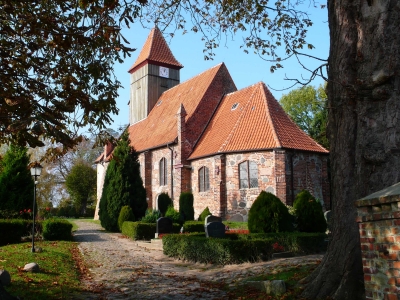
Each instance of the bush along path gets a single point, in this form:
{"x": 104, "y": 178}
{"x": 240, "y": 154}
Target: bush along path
{"x": 120, "y": 268}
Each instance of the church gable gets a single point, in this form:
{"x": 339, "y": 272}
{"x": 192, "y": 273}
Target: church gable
{"x": 251, "y": 119}
{"x": 199, "y": 96}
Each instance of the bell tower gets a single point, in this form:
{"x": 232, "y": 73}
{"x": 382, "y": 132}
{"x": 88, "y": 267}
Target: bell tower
{"x": 155, "y": 71}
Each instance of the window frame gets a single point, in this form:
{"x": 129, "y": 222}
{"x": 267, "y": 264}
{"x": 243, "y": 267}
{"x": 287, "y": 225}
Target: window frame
{"x": 248, "y": 173}
{"x": 204, "y": 179}
{"x": 163, "y": 172}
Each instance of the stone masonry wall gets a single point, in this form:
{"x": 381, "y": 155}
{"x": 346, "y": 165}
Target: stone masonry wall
{"x": 379, "y": 226}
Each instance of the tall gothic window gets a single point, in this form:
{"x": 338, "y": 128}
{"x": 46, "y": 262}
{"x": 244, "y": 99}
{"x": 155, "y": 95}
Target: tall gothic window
{"x": 248, "y": 175}
{"x": 204, "y": 179}
{"x": 163, "y": 171}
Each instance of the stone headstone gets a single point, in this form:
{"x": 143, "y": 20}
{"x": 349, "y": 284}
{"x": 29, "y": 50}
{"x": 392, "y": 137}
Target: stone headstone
{"x": 211, "y": 218}
{"x": 328, "y": 218}
{"x": 215, "y": 229}
{"x": 164, "y": 225}
{"x": 31, "y": 267}
{"x": 275, "y": 287}
{"x": 5, "y": 278}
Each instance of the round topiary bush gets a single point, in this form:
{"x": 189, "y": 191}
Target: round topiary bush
{"x": 164, "y": 201}
{"x": 204, "y": 214}
{"x": 269, "y": 214}
{"x": 126, "y": 214}
{"x": 174, "y": 215}
{"x": 310, "y": 217}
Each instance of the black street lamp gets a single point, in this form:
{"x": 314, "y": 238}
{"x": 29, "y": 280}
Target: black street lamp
{"x": 36, "y": 170}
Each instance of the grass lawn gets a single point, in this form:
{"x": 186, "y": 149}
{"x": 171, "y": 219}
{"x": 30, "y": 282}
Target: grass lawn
{"x": 60, "y": 270}
{"x": 291, "y": 276}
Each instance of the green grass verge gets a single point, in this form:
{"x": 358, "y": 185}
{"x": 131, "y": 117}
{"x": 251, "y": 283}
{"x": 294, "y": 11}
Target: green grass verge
{"x": 58, "y": 277}
{"x": 236, "y": 225}
{"x": 291, "y": 276}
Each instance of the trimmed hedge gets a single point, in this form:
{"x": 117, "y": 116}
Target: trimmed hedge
{"x": 12, "y": 230}
{"x": 143, "y": 231}
{"x": 186, "y": 206}
{"x": 57, "y": 230}
{"x": 216, "y": 251}
{"x": 238, "y": 248}
{"x": 193, "y": 226}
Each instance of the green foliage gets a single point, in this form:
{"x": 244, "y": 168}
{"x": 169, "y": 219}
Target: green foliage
{"x": 164, "y": 201}
{"x": 186, "y": 206}
{"x": 57, "y": 230}
{"x": 269, "y": 214}
{"x": 204, "y": 214}
{"x": 62, "y": 70}
{"x": 174, "y": 215}
{"x": 310, "y": 217}
{"x": 122, "y": 186}
{"x": 236, "y": 225}
{"x": 143, "y": 231}
{"x": 240, "y": 248}
{"x": 193, "y": 226}
{"x": 11, "y": 231}
{"x": 151, "y": 216}
{"x": 216, "y": 251}
{"x": 81, "y": 185}
{"x": 126, "y": 214}
{"x": 307, "y": 106}
{"x": 16, "y": 183}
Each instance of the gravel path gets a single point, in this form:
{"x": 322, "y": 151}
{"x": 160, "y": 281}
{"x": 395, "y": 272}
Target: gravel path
{"x": 125, "y": 269}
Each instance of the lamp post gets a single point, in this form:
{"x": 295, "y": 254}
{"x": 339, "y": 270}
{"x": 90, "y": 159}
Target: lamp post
{"x": 36, "y": 170}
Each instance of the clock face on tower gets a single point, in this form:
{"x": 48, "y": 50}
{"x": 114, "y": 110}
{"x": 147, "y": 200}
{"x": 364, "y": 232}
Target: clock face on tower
{"x": 164, "y": 72}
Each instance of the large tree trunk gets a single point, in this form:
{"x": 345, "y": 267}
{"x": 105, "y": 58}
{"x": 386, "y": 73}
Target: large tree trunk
{"x": 364, "y": 110}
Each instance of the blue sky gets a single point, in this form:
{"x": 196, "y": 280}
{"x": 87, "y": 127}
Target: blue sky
{"x": 245, "y": 69}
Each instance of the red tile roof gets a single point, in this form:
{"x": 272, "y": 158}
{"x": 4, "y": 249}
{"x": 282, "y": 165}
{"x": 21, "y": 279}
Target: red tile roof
{"x": 160, "y": 126}
{"x": 156, "y": 50}
{"x": 258, "y": 122}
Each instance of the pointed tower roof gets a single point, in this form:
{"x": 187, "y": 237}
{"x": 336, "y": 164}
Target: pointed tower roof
{"x": 156, "y": 50}
{"x": 251, "y": 119}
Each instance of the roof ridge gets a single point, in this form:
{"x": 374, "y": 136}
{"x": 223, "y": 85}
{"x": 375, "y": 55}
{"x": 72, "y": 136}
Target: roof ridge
{"x": 269, "y": 117}
{"x": 176, "y": 86}
{"x": 238, "y": 121}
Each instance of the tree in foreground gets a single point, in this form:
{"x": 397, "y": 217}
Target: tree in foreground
{"x": 16, "y": 183}
{"x": 81, "y": 185}
{"x": 122, "y": 186}
{"x": 269, "y": 214}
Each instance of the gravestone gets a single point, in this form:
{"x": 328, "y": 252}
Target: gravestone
{"x": 211, "y": 218}
{"x": 215, "y": 229}
{"x": 164, "y": 225}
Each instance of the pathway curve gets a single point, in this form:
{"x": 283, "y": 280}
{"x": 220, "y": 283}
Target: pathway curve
{"x": 125, "y": 269}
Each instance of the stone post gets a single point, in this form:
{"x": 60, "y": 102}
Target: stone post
{"x": 379, "y": 225}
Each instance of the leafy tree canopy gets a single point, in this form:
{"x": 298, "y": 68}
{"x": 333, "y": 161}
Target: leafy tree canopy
{"x": 57, "y": 67}
{"x": 81, "y": 185}
{"x": 307, "y": 106}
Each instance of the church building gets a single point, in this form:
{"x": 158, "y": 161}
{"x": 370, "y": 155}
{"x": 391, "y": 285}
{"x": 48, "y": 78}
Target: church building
{"x": 222, "y": 144}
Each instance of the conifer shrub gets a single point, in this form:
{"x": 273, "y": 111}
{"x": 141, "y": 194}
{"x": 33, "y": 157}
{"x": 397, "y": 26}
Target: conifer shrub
{"x": 186, "y": 206}
{"x": 310, "y": 217}
{"x": 206, "y": 212}
{"x": 122, "y": 186}
{"x": 164, "y": 200}
{"x": 126, "y": 214}
{"x": 151, "y": 216}
{"x": 269, "y": 214}
{"x": 174, "y": 215}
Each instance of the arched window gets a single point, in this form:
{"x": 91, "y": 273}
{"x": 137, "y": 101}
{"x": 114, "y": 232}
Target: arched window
{"x": 204, "y": 179}
{"x": 248, "y": 175}
{"x": 163, "y": 171}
